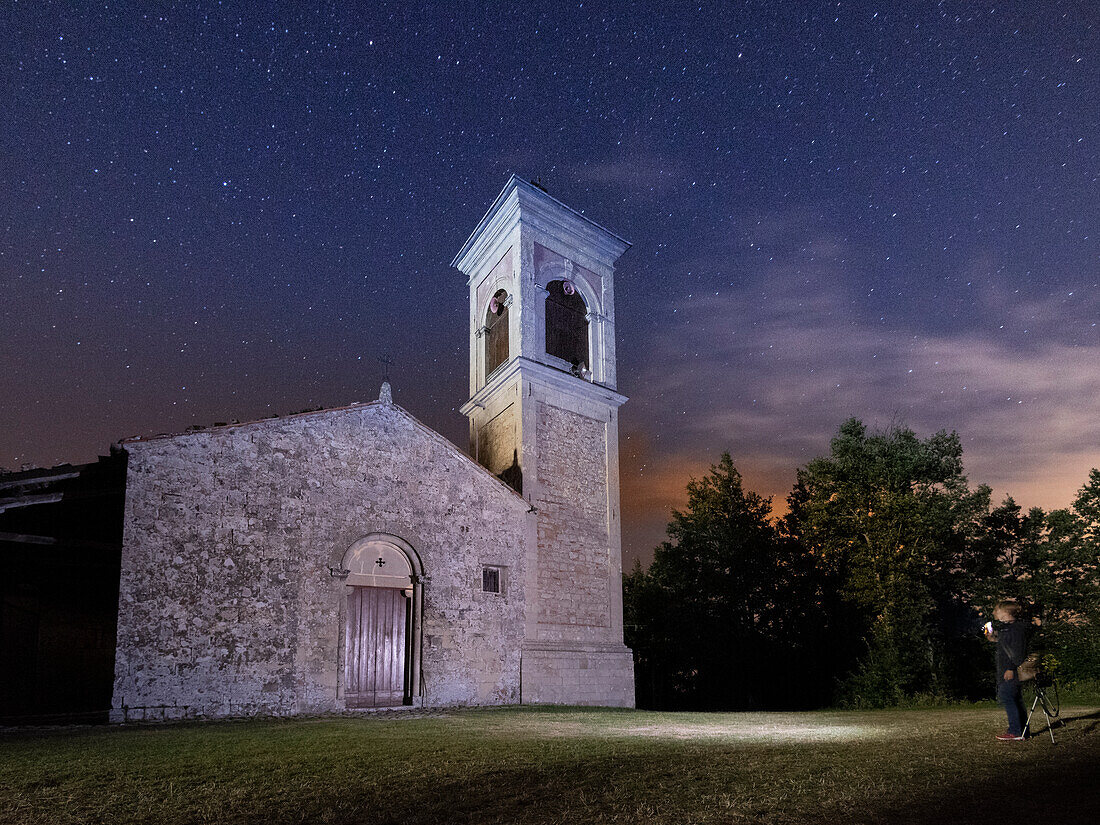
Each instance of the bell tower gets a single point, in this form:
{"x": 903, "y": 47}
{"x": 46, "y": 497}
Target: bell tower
{"x": 543, "y": 413}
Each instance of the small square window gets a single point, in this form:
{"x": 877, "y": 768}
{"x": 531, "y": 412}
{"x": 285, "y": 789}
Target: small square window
{"x": 490, "y": 579}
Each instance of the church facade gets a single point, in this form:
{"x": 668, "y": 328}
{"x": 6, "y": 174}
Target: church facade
{"x": 353, "y": 558}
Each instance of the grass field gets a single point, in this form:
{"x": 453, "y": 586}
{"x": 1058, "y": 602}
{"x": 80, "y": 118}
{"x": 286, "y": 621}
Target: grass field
{"x": 559, "y": 765}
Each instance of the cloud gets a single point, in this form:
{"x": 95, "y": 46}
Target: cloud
{"x": 770, "y": 370}
{"x": 640, "y": 173}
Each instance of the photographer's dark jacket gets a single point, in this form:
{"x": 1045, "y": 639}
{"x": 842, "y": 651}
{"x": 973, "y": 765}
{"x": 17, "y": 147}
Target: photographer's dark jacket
{"x": 1011, "y": 648}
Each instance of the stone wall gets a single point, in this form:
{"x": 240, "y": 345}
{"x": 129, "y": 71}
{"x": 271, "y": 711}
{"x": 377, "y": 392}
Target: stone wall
{"x": 576, "y": 655}
{"x": 497, "y": 442}
{"x": 228, "y": 600}
{"x": 572, "y": 521}
{"x": 578, "y": 674}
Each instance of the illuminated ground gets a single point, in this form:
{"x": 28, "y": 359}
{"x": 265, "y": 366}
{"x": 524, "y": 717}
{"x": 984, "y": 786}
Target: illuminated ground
{"x": 560, "y": 766}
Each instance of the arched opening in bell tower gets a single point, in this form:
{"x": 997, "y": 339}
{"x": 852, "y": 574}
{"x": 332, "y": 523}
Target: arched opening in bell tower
{"x": 566, "y": 323}
{"x": 496, "y": 331}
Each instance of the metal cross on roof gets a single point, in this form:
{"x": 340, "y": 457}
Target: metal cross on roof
{"x": 385, "y": 362}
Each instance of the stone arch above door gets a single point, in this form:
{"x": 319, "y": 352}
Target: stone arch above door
{"x": 381, "y": 560}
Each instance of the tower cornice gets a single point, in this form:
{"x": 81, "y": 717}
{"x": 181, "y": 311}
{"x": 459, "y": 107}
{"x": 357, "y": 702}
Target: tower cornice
{"x": 534, "y": 371}
{"x": 521, "y": 202}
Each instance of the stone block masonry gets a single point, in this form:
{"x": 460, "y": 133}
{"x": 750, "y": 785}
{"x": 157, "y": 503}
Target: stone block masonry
{"x": 496, "y": 441}
{"x": 573, "y": 542}
{"x": 231, "y": 601}
{"x": 583, "y": 674}
{"x": 576, "y": 655}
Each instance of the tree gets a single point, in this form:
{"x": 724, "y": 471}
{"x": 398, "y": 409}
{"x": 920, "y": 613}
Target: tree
{"x": 1074, "y": 629}
{"x": 710, "y": 620}
{"x": 1050, "y": 562}
{"x": 887, "y": 519}
{"x": 868, "y": 592}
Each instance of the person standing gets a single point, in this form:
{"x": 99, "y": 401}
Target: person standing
{"x": 1011, "y": 652}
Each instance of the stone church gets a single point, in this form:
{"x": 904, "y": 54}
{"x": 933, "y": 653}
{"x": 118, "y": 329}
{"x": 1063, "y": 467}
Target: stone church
{"x": 353, "y": 558}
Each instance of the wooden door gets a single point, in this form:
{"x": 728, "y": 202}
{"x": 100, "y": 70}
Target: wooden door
{"x": 374, "y": 664}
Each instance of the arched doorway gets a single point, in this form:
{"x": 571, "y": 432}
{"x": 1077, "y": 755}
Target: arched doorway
{"x": 381, "y": 622}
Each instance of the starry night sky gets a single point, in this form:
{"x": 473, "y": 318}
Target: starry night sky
{"x": 217, "y": 211}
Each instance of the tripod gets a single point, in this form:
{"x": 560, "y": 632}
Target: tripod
{"x": 1046, "y": 698}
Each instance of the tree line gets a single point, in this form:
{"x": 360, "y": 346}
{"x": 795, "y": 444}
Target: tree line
{"x": 869, "y": 592}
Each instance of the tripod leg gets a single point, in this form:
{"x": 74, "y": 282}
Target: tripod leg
{"x": 1030, "y": 713}
{"x": 1050, "y": 728}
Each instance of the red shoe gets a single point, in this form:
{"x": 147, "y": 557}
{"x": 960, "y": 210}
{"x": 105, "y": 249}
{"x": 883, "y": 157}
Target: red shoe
{"x": 1009, "y": 737}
